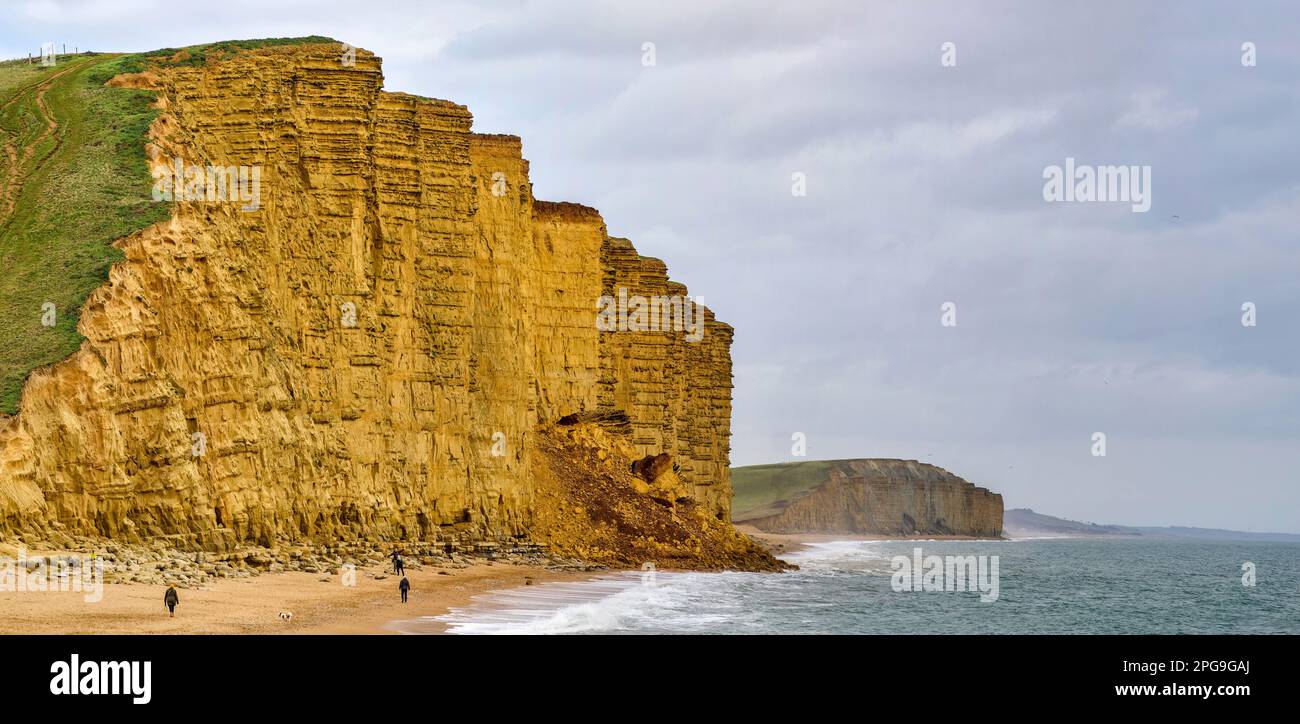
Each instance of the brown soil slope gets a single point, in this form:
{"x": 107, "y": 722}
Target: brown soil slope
{"x": 596, "y": 501}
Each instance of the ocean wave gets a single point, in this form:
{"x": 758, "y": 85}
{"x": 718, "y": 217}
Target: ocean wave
{"x": 844, "y": 587}
{"x": 679, "y": 602}
{"x": 606, "y": 604}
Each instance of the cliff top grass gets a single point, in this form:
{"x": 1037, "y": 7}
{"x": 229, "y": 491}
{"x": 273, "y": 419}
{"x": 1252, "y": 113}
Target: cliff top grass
{"x": 73, "y": 178}
{"x": 196, "y": 55}
{"x": 757, "y": 488}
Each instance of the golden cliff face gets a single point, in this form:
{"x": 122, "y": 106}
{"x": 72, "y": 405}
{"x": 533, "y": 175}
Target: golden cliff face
{"x": 370, "y": 353}
{"x": 677, "y": 392}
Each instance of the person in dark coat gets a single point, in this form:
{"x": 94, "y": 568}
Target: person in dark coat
{"x": 404, "y": 586}
{"x": 170, "y": 599}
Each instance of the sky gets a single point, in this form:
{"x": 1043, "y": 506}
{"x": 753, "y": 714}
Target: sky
{"x": 922, "y": 168}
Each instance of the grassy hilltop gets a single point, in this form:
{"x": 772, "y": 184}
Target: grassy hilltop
{"x": 756, "y": 487}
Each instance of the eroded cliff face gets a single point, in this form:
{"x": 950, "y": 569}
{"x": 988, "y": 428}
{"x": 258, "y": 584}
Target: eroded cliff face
{"x": 370, "y": 353}
{"x": 676, "y": 392}
{"x": 885, "y": 497}
{"x": 599, "y": 502}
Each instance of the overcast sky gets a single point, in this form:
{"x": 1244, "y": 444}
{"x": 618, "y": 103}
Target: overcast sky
{"x": 924, "y": 186}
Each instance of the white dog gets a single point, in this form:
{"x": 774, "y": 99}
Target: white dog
{"x": 286, "y": 616}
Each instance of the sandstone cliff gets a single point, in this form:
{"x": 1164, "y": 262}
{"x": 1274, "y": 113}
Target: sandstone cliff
{"x": 369, "y": 354}
{"x": 869, "y": 496}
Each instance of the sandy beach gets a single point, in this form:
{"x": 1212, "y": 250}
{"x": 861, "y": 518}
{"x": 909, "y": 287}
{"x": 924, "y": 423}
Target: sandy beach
{"x": 252, "y": 605}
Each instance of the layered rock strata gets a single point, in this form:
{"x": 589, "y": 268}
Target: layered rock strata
{"x": 367, "y": 354}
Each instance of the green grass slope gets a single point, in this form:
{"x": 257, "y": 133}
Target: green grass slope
{"x": 75, "y": 179}
{"x": 756, "y": 488}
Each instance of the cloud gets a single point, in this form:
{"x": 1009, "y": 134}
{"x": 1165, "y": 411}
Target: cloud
{"x": 1151, "y": 111}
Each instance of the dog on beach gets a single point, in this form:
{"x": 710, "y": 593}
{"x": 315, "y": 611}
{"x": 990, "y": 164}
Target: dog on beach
{"x": 286, "y": 616}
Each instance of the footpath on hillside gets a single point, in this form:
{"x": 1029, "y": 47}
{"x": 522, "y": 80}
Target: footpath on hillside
{"x": 73, "y": 179}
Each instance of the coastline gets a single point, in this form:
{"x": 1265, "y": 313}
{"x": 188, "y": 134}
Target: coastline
{"x": 252, "y": 605}
{"x": 319, "y": 604}
{"x": 784, "y": 543}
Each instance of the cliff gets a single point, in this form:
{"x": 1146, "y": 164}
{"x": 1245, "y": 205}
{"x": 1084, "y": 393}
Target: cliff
{"x": 868, "y": 496}
{"x": 368, "y": 354}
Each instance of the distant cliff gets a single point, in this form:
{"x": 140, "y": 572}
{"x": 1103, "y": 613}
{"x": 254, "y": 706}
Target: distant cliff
{"x": 375, "y": 349}
{"x": 867, "y": 496}
{"x": 1025, "y": 523}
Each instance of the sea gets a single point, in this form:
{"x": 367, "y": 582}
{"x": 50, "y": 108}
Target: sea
{"x": 1043, "y": 586}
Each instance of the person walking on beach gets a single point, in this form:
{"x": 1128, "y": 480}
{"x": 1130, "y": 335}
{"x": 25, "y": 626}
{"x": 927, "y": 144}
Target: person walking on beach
{"x": 170, "y": 599}
{"x": 399, "y": 568}
{"x": 404, "y": 586}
